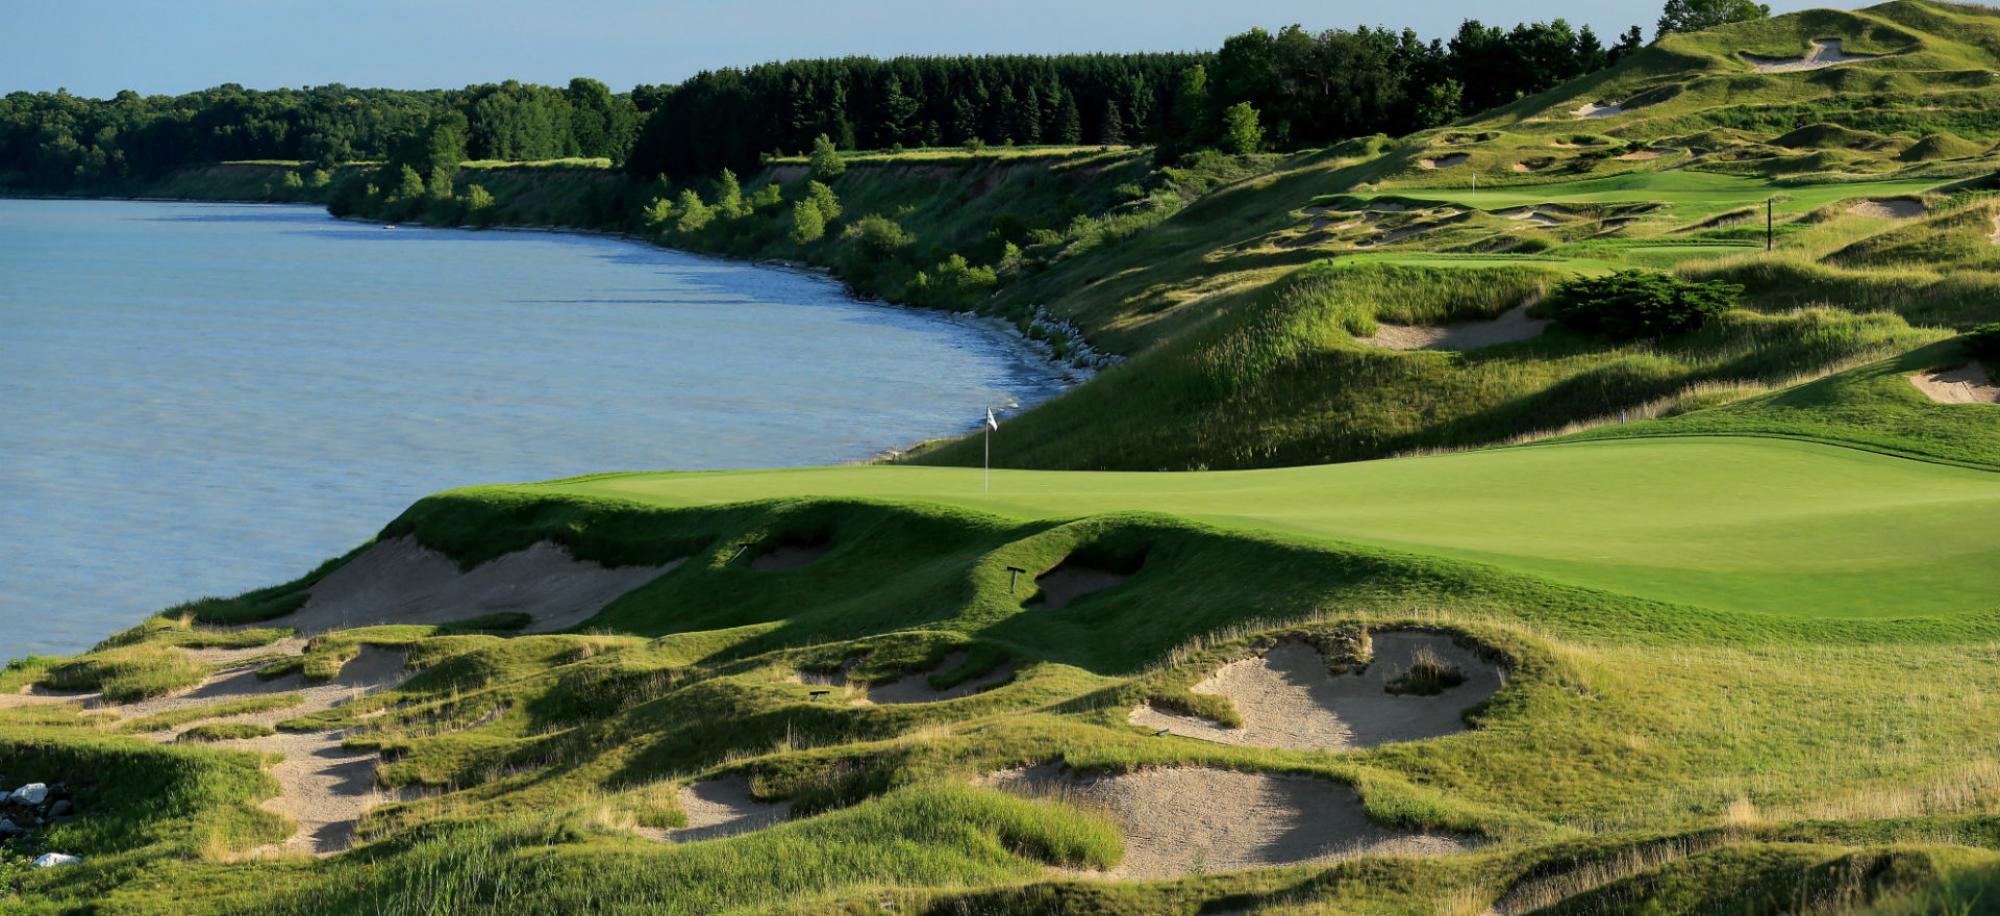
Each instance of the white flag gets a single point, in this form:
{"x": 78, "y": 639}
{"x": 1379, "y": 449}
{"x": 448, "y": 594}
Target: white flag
{"x": 990, "y": 422}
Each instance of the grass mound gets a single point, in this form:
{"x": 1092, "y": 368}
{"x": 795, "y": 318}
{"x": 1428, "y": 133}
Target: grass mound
{"x": 128, "y": 673}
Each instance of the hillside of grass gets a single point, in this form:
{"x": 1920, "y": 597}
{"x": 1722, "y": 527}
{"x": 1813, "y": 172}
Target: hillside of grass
{"x": 1666, "y": 727}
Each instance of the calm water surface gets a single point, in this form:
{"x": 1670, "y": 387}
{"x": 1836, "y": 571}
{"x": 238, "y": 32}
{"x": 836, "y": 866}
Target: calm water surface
{"x": 198, "y": 399}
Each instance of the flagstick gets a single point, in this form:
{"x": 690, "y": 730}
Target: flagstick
{"x": 988, "y": 483}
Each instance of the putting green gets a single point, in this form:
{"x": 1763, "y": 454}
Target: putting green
{"x": 1759, "y": 525}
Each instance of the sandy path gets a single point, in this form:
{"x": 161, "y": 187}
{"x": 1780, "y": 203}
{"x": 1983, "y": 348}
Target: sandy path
{"x": 1193, "y": 820}
{"x": 1512, "y": 325}
{"x": 402, "y": 581}
{"x": 721, "y": 807}
{"x": 1286, "y": 698}
{"x": 1967, "y": 384}
{"x": 1825, "y": 53}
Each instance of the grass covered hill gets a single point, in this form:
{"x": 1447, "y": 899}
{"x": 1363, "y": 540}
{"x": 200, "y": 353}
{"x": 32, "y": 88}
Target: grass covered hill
{"x": 1875, "y": 171}
{"x": 1760, "y": 681}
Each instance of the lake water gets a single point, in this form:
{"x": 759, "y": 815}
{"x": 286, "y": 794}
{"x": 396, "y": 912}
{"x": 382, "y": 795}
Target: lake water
{"x": 198, "y": 399}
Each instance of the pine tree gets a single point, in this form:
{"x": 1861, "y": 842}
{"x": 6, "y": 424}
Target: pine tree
{"x": 964, "y": 119}
{"x": 1111, "y": 131}
{"x": 1000, "y": 117}
{"x": 1028, "y": 119}
{"x": 1069, "y": 122}
{"x": 899, "y": 113}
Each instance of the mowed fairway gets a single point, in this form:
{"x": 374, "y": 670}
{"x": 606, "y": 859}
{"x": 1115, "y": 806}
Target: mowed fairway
{"x": 1749, "y": 525}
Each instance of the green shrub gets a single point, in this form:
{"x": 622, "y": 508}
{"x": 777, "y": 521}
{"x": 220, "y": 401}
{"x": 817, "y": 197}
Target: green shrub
{"x": 1637, "y": 304}
{"x": 880, "y": 237}
{"x": 807, "y": 223}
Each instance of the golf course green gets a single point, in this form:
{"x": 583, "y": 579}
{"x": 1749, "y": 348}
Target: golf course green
{"x": 1742, "y": 524}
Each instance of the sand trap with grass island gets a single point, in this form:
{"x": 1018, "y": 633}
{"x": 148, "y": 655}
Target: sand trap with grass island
{"x": 1287, "y": 698}
{"x": 402, "y": 581}
{"x": 1196, "y": 820}
{"x": 910, "y": 688}
{"x": 1445, "y": 162}
{"x": 1967, "y": 384}
{"x": 1515, "y": 324}
{"x": 720, "y": 807}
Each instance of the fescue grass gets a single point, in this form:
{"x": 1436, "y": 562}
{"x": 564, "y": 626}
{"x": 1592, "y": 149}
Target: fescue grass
{"x": 127, "y": 673}
{"x": 224, "y": 731}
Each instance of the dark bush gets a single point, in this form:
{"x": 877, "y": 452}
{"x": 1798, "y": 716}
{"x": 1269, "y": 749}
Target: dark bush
{"x": 1984, "y": 341}
{"x": 1635, "y": 304}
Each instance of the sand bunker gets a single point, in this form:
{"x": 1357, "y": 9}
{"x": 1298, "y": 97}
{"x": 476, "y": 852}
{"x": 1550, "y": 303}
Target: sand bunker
{"x": 1529, "y": 215}
{"x": 916, "y": 688}
{"x": 1444, "y": 162}
{"x": 1188, "y": 820}
{"x": 1513, "y": 325}
{"x": 789, "y": 556}
{"x": 1645, "y": 155}
{"x": 1287, "y": 698}
{"x": 1595, "y": 110}
{"x": 722, "y": 807}
{"x": 1967, "y": 384}
{"x": 1825, "y": 53}
{"x": 1070, "y": 581}
{"x": 1888, "y": 208}
{"x": 402, "y": 581}
{"x": 1995, "y": 236}
{"x": 912, "y": 688}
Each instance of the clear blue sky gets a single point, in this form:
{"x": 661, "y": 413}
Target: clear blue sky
{"x": 97, "y": 47}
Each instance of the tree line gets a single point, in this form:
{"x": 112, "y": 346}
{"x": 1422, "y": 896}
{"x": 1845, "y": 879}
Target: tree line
{"x": 1309, "y": 89}
{"x": 1286, "y": 89}
{"x": 57, "y": 141}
